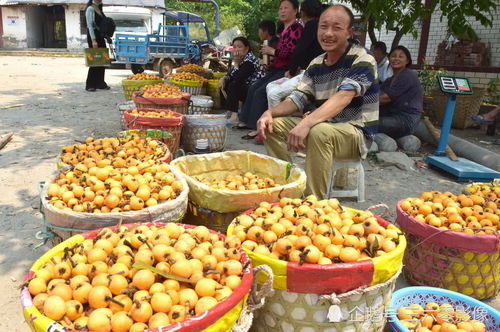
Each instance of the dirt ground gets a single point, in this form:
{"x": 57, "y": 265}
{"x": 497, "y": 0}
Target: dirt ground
{"x": 43, "y": 101}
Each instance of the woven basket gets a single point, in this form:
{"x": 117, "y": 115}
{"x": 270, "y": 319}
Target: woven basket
{"x": 209, "y": 126}
{"x": 130, "y": 86}
{"x": 205, "y": 73}
{"x": 363, "y": 310}
{"x": 170, "y": 125}
{"x": 200, "y": 105}
{"x": 217, "y": 221}
{"x": 175, "y": 104}
{"x": 214, "y": 92}
{"x": 191, "y": 87}
{"x": 223, "y": 317}
{"x": 466, "y": 107}
{"x": 438, "y": 258}
{"x": 122, "y": 108}
{"x": 218, "y": 75}
{"x": 62, "y": 224}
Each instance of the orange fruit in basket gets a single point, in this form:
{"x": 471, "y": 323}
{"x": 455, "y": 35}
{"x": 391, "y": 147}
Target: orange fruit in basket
{"x": 100, "y": 320}
{"x": 121, "y": 322}
{"x": 204, "y": 304}
{"x": 54, "y": 307}
{"x": 157, "y": 320}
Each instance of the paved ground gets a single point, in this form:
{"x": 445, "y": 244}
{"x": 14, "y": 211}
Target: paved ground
{"x": 42, "y": 100}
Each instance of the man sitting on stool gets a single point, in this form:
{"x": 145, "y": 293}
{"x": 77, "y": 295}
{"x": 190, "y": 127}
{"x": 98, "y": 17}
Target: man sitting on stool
{"x": 341, "y": 84}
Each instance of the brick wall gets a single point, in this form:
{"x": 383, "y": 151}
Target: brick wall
{"x": 437, "y": 33}
{"x": 477, "y": 80}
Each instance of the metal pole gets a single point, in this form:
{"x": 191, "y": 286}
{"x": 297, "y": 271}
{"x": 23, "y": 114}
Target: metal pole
{"x": 217, "y": 18}
{"x": 445, "y": 128}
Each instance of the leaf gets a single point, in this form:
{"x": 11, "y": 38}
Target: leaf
{"x": 142, "y": 265}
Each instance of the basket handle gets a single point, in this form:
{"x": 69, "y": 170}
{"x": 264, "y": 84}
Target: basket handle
{"x": 257, "y": 297}
{"x": 381, "y": 206}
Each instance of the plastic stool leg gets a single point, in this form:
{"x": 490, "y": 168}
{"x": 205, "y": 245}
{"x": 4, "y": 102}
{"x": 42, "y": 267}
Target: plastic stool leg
{"x": 361, "y": 183}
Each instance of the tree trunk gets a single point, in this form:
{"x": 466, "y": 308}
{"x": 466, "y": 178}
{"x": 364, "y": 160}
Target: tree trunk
{"x": 397, "y": 38}
{"x": 371, "y": 30}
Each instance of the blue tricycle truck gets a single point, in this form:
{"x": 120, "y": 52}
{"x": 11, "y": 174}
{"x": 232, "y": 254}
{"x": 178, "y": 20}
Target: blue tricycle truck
{"x": 168, "y": 47}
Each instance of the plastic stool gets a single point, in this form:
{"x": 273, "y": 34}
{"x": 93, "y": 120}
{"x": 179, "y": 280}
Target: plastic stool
{"x": 359, "y": 192}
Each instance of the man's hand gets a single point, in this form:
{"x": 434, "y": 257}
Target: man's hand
{"x": 94, "y": 43}
{"x": 297, "y": 137}
{"x": 288, "y": 75}
{"x": 221, "y": 83}
{"x": 264, "y": 123}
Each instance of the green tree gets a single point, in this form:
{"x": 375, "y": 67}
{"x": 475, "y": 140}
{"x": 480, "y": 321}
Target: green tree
{"x": 246, "y": 14}
{"x": 401, "y": 16}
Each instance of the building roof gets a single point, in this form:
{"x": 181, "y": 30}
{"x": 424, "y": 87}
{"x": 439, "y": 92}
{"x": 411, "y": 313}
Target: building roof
{"x": 136, "y": 3}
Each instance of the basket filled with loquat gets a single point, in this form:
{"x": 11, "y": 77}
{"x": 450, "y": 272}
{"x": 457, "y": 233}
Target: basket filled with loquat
{"x": 328, "y": 262}
{"x": 161, "y": 119}
{"x": 137, "y": 81}
{"x": 453, "y": 240}
{"x": 140, "y": 277}
{"x": 162, "y": 96}
{"x": 424, "y": 309}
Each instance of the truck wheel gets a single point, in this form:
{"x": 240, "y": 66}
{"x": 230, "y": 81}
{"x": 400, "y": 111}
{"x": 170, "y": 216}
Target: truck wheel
{"x": 137, "y": 69}
{"x": 166, "y": 67}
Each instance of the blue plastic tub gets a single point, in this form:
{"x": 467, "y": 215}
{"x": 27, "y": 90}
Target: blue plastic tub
{"x": 422, "y": 295}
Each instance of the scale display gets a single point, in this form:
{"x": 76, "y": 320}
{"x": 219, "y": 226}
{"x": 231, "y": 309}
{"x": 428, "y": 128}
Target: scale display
{"x": 454, "y": 85}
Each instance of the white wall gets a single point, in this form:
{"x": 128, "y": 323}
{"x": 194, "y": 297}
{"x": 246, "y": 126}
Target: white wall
{"x": 14, "y": 36}
{"x": 75, "y": 40}
{"x": 438, "y": 33}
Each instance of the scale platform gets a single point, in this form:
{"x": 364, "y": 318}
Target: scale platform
{"x": 464, "y": 169}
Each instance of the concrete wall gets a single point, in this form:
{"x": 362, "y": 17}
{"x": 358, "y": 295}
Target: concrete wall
{"x": 14, "y": 27}
{"x": 75, "y": 40}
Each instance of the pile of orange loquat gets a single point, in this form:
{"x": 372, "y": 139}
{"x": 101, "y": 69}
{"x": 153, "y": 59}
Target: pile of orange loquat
{"x": 246, "y": 181}
{"x": 475, "y": 213}
{"x": 109, "y": 284}
{"x": 314, "y": 231}
{"x": 438, "y": 318}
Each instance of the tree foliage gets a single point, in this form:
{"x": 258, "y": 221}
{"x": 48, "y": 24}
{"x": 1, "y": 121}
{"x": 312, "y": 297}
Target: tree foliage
{"x": 246, "y": 14}
{"x": 401, "y": 16}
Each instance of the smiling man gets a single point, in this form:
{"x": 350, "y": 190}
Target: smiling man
{"x": 340, "y": 86}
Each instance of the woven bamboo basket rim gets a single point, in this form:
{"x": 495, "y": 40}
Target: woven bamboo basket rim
{"x": 175, "y": 115}
{"x": 132, "y": 82}
{"x": 193, "y": 84}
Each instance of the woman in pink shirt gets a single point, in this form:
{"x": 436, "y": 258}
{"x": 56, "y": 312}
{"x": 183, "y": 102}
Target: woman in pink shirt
{"x": 256, "y": 102}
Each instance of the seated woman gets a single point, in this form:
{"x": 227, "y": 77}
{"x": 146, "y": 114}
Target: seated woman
{"x": 245, "y": 71}
{"x": 256, "y": 102}
{"x": 401, "y": 97}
